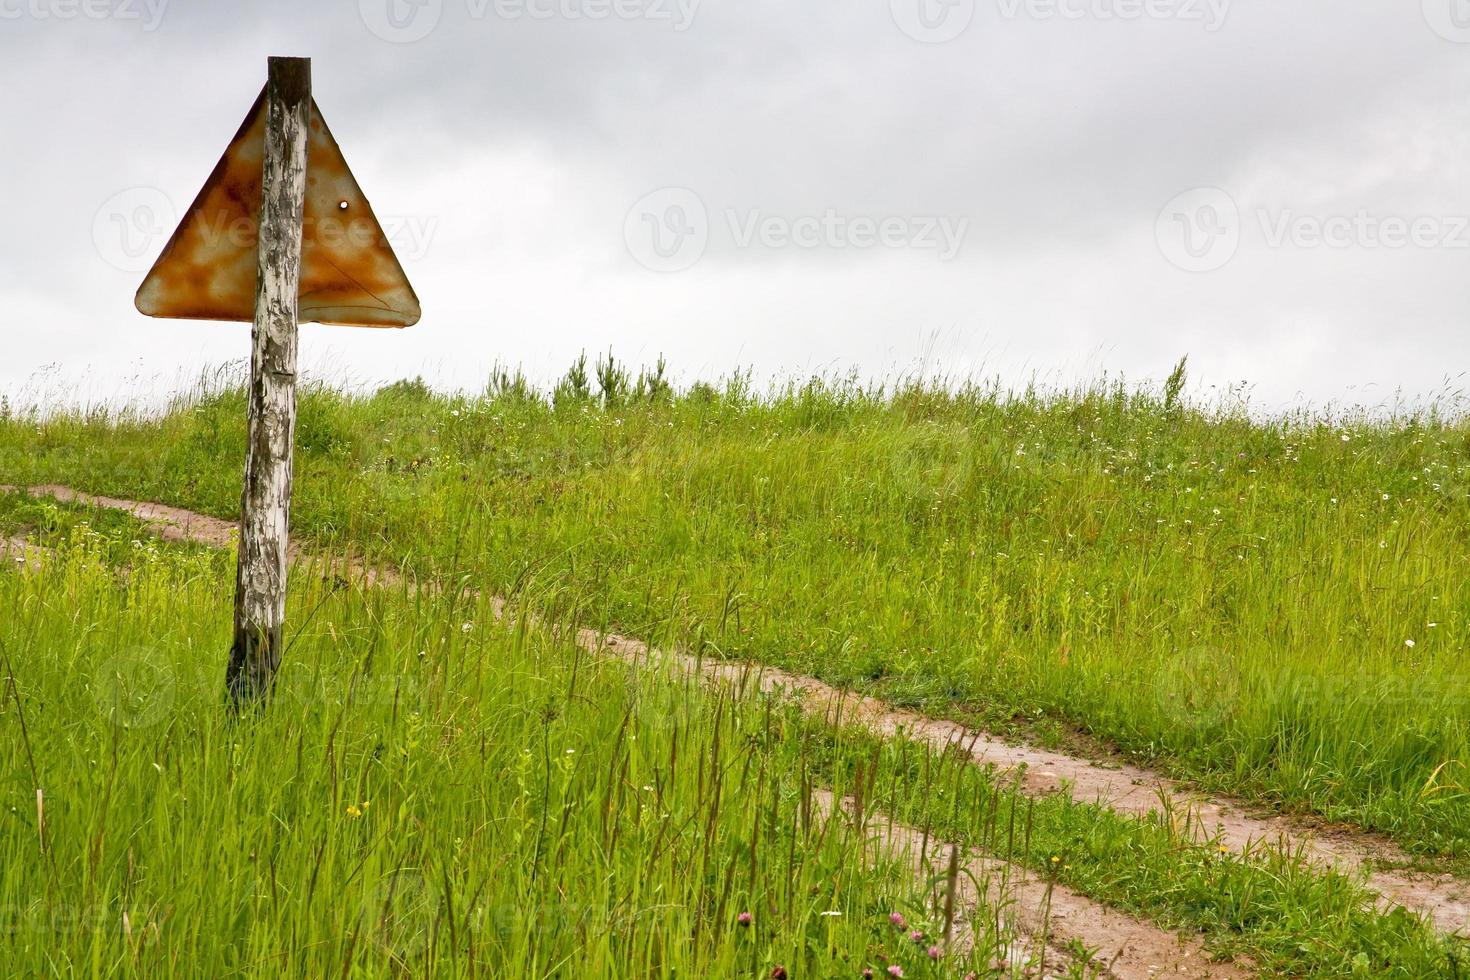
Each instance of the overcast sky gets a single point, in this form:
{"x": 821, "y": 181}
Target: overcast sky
{"x": 1015, "y": 187}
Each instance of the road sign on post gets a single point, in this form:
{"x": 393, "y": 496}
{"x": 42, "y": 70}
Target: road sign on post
{"x": 280, "y": 232}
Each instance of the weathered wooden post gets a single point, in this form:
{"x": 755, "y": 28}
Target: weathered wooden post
{"x": 280, "y": 233}
{"x": 265, "y": 505}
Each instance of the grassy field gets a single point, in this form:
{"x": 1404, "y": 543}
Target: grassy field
{"x": 431, "y": 794}
{"x": 1277, "y": 608}
{"x": 436, "y": 793}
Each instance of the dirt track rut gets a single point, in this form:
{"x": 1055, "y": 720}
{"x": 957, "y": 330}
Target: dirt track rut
{"x": 1049, "y": 919}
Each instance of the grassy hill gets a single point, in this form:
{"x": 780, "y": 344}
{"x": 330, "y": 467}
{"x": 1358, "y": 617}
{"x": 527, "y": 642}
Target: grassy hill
{"x": 1276, "y": 607}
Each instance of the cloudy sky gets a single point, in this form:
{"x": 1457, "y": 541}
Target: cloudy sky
{"x": 1050, "y": 188}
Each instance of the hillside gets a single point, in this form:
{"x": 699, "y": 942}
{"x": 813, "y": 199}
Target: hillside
{"x": 1270, "y": 609}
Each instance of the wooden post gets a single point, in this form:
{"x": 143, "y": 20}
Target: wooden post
{"x": 265, "y": 509}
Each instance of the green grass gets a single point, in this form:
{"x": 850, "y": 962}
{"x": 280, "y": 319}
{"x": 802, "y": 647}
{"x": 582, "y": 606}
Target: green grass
{"x": 487, "y": 847}
{"x": 431, "y": 794}
{"x": 1232, "y": 599}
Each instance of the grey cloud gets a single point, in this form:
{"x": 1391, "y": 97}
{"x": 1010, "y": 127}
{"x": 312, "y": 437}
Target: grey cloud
{"x": 525, "y": 141}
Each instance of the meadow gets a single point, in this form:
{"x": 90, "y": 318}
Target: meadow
{"x": 432, "y": 793}
{"x": 1269, "y": 606}
{"x": 1275, "y": 607}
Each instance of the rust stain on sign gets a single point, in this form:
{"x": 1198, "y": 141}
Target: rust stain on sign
{"x": 349, "y": 274}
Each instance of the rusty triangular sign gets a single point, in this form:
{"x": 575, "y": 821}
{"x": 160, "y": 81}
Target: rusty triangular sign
{"x": 349, "y": 274}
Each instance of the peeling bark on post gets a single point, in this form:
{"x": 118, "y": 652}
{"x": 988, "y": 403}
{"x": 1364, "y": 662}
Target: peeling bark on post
{"x": 260, "y": 582}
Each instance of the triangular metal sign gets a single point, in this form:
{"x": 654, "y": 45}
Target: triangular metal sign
{"x": 349, "y": 274}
